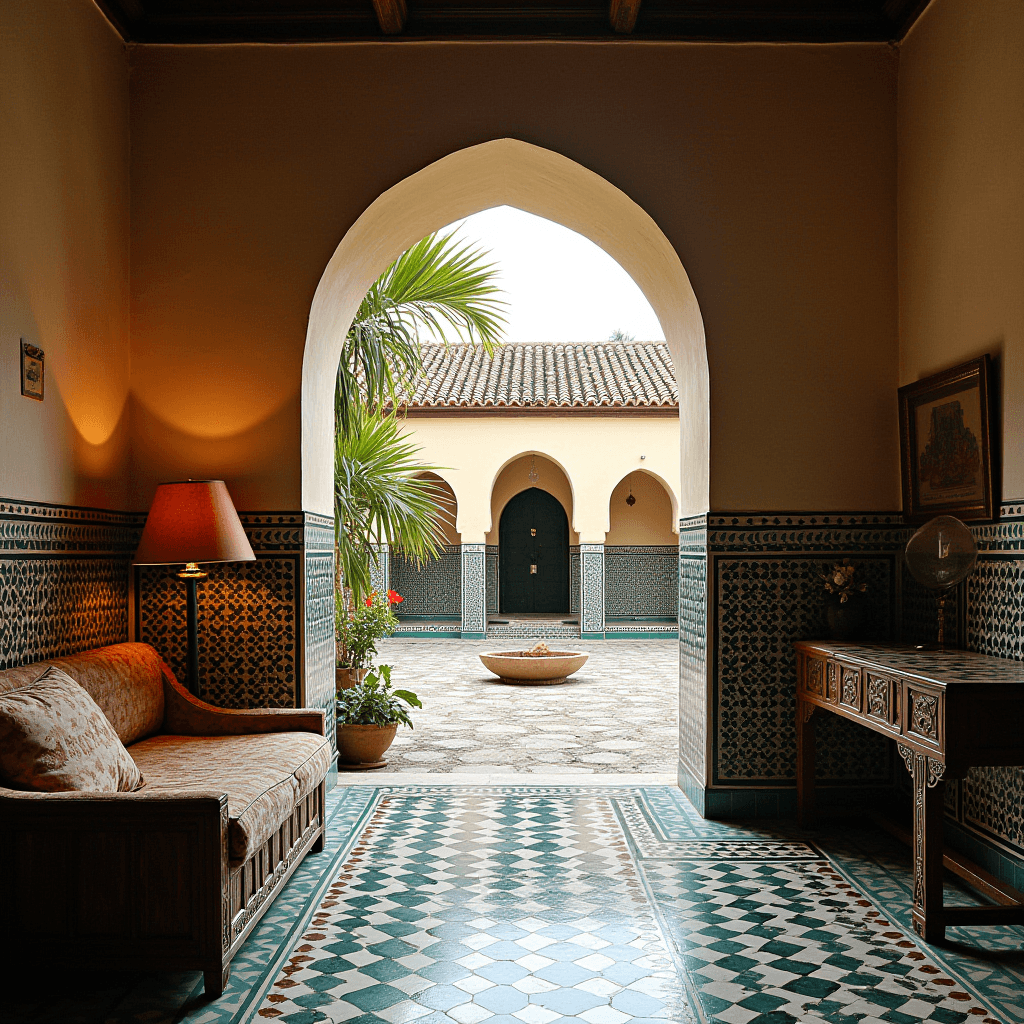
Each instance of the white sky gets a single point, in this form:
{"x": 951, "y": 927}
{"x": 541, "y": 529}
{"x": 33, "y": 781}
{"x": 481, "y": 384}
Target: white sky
{"x": 559, "y": 285}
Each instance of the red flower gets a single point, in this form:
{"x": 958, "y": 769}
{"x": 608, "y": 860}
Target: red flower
{"x": 369, "y": 602}
{"x": 394, "y": 597}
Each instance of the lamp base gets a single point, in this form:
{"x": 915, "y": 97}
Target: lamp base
{"x": 191, "y": 575}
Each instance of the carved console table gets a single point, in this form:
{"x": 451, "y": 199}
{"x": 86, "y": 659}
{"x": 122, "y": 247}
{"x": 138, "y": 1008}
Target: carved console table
{"x": 947, "y": 710}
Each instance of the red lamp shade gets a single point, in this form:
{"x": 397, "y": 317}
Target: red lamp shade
{"x": 193, "y": 521}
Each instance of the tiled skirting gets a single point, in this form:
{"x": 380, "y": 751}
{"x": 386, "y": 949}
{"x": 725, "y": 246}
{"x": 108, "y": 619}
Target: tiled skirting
{"x": 989, "y": 804}
{"x": 641, "y": 579}
{"x": 763, "y": 592}
{"x": 266, "y": 628}
{"x": 430, "y": 590}
{"x": 63, "y": 579}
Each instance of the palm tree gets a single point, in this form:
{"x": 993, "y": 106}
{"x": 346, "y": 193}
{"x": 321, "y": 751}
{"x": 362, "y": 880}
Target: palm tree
{"x": 440, "y": 285}
{"x": 378, "y": 499}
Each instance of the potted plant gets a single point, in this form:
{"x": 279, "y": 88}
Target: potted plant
{"x": 369, "y": 715}
{"x": 845, "y": 613}
{"x": 357, "y": 633}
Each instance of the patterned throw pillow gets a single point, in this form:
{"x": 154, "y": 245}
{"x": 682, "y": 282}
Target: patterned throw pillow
{"x": 54, "y": 738}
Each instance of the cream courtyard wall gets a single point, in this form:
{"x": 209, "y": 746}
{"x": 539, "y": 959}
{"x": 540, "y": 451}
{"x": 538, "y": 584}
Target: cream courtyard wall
{"x": 64, "y": 253}
{"x": 961, "y": 203}
{"x": 595, "y": 452}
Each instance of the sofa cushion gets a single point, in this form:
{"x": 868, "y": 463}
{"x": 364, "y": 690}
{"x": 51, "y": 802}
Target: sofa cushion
{"x": 125, "y": 680}
{"x": 260, "y": 773}
{"x": 54, "y": 738}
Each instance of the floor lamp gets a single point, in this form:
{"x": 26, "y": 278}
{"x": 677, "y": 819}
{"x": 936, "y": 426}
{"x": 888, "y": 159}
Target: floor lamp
{"x": 193, "y": 522}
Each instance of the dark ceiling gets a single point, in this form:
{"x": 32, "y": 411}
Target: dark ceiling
{"x": 280, "y": 21}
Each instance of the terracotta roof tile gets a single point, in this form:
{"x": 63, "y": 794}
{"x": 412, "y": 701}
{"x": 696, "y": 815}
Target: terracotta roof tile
{"x": 555, "y": 375}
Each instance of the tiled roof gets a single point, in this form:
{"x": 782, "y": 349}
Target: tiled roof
{"x": 547, "y": 375}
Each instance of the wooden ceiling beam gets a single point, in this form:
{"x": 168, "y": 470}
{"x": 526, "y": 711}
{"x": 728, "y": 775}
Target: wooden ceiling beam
{"x": 391, "y": 15}
{"x": 622, "y": 15}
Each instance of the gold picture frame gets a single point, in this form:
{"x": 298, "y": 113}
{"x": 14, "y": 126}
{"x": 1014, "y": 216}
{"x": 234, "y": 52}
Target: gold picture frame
{"x": 32, "y": 366}
{"x": 946, "y": 444}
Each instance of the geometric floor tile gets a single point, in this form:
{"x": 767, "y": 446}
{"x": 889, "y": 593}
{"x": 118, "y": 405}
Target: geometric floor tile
{"x": 538, "y": 904}
{"x": 503, "y": 907}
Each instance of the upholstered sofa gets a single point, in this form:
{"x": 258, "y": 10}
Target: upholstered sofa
{"x": 175, "y": 874}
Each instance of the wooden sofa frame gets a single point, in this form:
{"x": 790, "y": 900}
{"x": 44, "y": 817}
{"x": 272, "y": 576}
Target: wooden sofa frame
{"x": 143, "y": 880}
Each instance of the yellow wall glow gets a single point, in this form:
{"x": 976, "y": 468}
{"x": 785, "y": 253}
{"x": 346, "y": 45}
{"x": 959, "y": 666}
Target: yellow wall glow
{"x": 64, "y": 253}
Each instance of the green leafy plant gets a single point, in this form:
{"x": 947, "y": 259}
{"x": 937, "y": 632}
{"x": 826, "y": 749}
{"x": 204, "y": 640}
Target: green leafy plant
{"x": 380, "y": 499}
{"x": 359, "y": 629}
{"x": 374, "y": 702}
{"x": 440, "y": 285}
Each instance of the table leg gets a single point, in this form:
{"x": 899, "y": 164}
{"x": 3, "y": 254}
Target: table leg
{"x": 929, "y": 920}
{"x": 804, "y": 762}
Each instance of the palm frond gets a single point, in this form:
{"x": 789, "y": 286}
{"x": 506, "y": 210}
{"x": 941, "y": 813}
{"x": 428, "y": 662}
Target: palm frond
{"x": 439, "y": 286}
{"x": 379, "y": 498}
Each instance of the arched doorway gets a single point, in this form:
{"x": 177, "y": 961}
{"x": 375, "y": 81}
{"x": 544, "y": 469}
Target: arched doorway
{"x": 540, "y": 181}
{"x": 533, "y": 552}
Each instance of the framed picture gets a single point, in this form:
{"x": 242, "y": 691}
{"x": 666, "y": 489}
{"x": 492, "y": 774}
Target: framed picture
{"x": 945, "y": 443}
{"x": 31, "y": 371}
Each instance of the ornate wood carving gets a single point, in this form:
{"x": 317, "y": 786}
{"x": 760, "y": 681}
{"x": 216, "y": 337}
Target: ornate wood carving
{"x": 924, "y": 714}
{"x": 878, "y": 697}
{"x": 850, "y": 693}
{"x": 816, "y": 677}
{"x": 950, "y": 711}
{"x": 833, "y": 683}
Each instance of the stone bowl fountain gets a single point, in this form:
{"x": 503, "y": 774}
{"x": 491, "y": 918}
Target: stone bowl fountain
{"x": 538, "y": 666}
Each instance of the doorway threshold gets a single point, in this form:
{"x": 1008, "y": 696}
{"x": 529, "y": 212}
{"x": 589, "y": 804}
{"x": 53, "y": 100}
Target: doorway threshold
{"x": 382, "y": 779}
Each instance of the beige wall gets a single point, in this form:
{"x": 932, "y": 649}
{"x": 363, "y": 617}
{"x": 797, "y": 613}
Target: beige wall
{"x": 64, "y": 252}
{"x": 961, "y": 202}
{"x": 649, "y": 520}
{"x": 772, "y": 171}
{"x": 488, "y": 459}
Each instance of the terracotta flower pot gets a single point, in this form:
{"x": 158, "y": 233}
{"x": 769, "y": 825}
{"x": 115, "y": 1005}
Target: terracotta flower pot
{"x": 363, "y": 746}
{"x": 346, "y": 678}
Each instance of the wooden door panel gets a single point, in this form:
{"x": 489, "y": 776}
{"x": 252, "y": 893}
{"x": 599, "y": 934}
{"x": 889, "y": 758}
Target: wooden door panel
{"x": 534, "y": 554}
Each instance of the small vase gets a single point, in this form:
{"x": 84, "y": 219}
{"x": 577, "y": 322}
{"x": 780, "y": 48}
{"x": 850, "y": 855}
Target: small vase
{"x": 363, "y": 746}
{"x": 346, "y": 678}
{"x": 846, "y": 620}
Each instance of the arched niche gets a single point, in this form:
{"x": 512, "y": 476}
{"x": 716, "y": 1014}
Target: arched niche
{"x": 448, "y": 506}
{"x": 651, "y": 518}
{"x": 514, "y": 477}
{"x": 539, "y": 181}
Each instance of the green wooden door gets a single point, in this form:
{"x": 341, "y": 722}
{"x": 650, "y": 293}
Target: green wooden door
{"x": 533, "y": 557}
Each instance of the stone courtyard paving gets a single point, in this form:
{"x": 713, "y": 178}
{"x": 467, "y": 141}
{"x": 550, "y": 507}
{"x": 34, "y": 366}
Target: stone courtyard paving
{"x": 618, "y": 714}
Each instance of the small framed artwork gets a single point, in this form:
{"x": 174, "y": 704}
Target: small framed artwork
{"x": 946, "y": 444}
{"x": 31, "y": 370}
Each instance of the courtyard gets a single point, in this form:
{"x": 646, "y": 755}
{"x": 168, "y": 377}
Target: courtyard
{"x": 618, "y": 714}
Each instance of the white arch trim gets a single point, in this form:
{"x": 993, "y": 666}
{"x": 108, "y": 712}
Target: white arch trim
{"x": 666, "y": 486}
{"x": 539, "y": 181}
